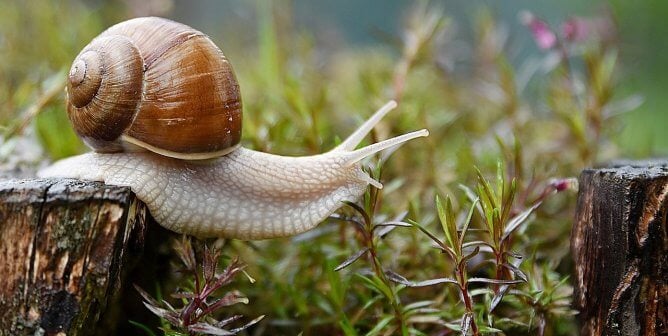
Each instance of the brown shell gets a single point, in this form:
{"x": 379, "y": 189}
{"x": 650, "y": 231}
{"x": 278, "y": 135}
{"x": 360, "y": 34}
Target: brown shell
{"x": 158, "y": 84}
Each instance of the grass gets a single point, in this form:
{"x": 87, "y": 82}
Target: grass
{"x": 498, "y": 157}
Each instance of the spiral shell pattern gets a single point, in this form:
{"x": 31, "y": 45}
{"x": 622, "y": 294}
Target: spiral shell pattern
{"x": 157, "y": 84}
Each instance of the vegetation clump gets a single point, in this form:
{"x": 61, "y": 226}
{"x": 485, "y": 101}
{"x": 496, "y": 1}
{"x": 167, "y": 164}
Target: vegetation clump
{"x": 470, "y": 234}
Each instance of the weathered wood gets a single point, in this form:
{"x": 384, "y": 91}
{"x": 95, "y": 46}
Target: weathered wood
{"x": 620, "y": 248}
{"x": 65, "y": 246}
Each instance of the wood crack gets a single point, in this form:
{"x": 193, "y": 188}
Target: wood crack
{"x": 619, "y": 244}
{"x": 62, "y": 254}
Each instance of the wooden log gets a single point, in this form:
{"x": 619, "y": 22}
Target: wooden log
{"x": 620, "y": 249}
{"x": 65, "y": 248}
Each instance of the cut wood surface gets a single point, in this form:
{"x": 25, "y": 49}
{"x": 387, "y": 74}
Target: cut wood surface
{"x": 620, "y": 249}
{"x": 64, "y": 251}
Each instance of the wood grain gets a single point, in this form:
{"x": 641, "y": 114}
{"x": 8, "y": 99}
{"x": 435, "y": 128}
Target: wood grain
{"x": 65, "y": 246}
{"x": 620, "y": 248}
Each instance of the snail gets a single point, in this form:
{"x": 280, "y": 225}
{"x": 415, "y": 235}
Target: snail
{"x": 160, "y": 106}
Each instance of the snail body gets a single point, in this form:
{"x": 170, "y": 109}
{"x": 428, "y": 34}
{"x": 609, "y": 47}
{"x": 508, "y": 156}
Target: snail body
{"x": 236, "y": 192}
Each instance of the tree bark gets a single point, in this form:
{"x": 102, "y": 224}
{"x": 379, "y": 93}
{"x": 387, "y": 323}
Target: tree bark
{"x": 620, "y": 248}
{"x": 65, "y": 247}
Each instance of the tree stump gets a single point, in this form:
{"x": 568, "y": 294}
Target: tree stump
{"x": 620, "y": 248}
{"x": 66, "y": 246}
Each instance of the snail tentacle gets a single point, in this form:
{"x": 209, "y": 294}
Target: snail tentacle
{"x": 160, "y": 105}
{"x": 245, "y": 194}
{"x": 356, "y": 137}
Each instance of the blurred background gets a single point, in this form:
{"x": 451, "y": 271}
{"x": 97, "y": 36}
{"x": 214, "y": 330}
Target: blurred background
{"x": 542, "y": 88}
{"x": 40, "y": 38}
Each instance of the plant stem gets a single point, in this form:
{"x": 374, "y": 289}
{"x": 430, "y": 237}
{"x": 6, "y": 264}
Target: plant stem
{"x": 501, "y": 272}
{"x": 187, "y": 314}
{"x": 394, "y": 301}
{"x": 468, "y": 303}
{"x": 498, "y": 274}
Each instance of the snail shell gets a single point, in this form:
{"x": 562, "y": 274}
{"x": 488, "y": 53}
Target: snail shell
{"x": 156, "y": 84}
{"x": 166, "y": 87}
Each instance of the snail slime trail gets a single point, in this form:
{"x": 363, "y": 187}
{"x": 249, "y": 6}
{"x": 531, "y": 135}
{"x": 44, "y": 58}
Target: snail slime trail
{"x": 169, "y": 83}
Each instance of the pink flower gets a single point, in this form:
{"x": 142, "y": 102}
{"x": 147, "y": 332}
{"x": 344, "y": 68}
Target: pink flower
{"x": 575, "y": 29}
{"x": 544, "y": 36}
{"x": 562, "y": 184}
{"x": 580, "y": 29}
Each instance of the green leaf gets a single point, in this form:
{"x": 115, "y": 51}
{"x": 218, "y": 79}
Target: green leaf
{"x": 487, "y": 208}
{"x": 147, "y": 297}
{"x": 486, "y": 189}
{"x": 467, "y": 222}
{"x": 473, "y": 197}
{"x": 146, "y": 329}
{"x": 378, "y": 285}
{"x": 440, "y": 243}
{"x": 370, "y": 302}
{"x": 432, "y": 282}
{"x": 516, "y": 221}
{"x": 477, "y": 243}
{"x": 517, "y": 271}
{"x": 498, "y": 296}
{"x": 380, "y": 325}
{"x": 489, "y": 330}
{"x": 347, "y": 328}
{"x": 466, "y": 258}
{"x": 205, "y": 328}
{"x": 394, "y": 277}
{"x": 248, "y": 325}
{"x": 447, "y": 219}
{"x": 497, "y": 229}
{"x": 352, "y": 259}
{"x": 495, "y": 281}
{"x": 417, "y": 305}
{"x": 361, "y": 211}
{"x": 508, "y": 201}
{"x": 174, "y": 333}
{"x": 500, "y": 180}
